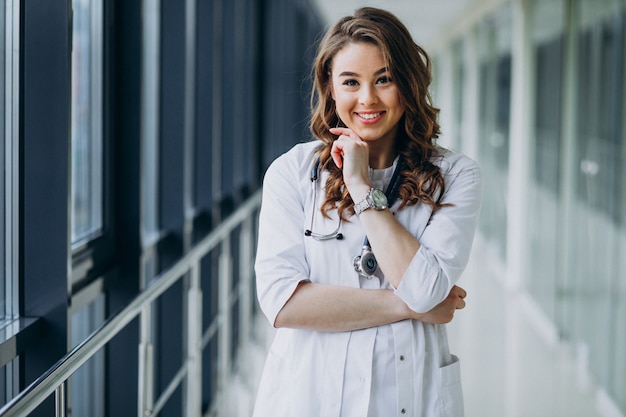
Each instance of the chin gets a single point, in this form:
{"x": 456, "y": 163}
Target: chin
{"x": 369, "y": 137}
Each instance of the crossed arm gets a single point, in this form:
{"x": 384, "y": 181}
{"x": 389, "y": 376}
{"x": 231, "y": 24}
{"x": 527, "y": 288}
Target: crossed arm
{"x": 335, "y": 308}
{"x": 327, "y": 307}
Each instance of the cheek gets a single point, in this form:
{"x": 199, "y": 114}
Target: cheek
{"x": 343, "y": 116}
{"x": 341, "y": 104}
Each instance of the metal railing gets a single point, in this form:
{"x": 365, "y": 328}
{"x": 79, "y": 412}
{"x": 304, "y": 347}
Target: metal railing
{"x": 189, "y": 376}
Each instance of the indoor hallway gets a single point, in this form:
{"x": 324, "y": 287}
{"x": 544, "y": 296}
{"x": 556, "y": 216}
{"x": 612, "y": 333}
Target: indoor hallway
{"x": 512, "y": 364}
{"x": 136, "y": 137}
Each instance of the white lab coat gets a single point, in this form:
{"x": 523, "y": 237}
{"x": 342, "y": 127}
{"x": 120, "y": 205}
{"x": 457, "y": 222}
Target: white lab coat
{"x": 323, "y": 374}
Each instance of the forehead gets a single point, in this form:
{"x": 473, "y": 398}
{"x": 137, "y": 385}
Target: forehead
{"x": 360, "y": 58}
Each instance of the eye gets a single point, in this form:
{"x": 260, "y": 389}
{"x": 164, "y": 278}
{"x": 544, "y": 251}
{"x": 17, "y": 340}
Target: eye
{"x": 350, "y": 83}
{"x": 383, "y": 80}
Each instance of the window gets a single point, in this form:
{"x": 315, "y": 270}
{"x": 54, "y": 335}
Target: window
{"x": 150, "y": 76}
{"x": 4, "y": 164}
{"x": 87, "y": 220}
{"x": 545, "y": 210}
{"x": 494, "y": 39}
{"x": 9, "y": 91}
{"x": 9, "y": 41}
{"x": 87, "y": 160}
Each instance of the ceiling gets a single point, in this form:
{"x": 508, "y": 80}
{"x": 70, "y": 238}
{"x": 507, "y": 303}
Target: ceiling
{"x": 426, "y": 19}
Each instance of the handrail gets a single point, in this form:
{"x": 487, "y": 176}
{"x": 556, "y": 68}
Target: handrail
{"x": 55, "y": 378}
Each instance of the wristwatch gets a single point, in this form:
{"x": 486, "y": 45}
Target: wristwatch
{"x": 375, "y": 198}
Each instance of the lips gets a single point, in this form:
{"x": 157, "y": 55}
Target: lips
{"x": 369, "y": 116}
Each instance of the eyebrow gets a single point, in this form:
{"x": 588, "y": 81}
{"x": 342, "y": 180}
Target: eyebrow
{"x": 354, "y": 74}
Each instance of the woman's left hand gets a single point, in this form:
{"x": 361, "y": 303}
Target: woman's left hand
{"x": 444, "y": 312}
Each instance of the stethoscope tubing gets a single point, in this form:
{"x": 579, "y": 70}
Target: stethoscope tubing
{"x": 391, "y": 194}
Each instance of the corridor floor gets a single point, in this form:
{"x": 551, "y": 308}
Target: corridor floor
{"x": 510, "y": 366}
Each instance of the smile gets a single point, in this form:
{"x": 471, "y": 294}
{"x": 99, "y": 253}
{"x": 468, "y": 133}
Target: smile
{"x": 369, "y": 116}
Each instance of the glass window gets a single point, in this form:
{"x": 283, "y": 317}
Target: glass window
{"x": 596, "y": 285}
{"x": 86, "y": 134}
{"x": 495, "y": 96}
{"x": 9, "y": 85}
{"x": 204, "y": 125}
{"x": 545, "y": 212}
{"x": 9, "y": 41}
{"x": 3, "y": 159}
{"x": 150, "y": 122}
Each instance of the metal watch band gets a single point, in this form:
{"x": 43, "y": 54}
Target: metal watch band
{"x": 375, "y": 198}
{"x": 364, "y": 204}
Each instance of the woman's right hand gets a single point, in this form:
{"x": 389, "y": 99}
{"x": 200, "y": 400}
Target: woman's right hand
{"x": 443, "y": 312}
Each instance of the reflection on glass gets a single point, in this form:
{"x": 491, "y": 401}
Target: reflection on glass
{"x": 86, "y": 120}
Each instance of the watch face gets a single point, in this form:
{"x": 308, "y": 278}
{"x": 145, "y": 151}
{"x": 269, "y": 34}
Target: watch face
{"x": 379, "y": 199}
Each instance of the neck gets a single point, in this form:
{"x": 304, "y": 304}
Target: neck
{"x": 382, "y": 154}
{"x": 381, "y": 160}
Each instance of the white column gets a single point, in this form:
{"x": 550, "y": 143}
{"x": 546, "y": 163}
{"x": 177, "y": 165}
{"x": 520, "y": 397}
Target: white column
{"x": 520, "y": 151}
{"x": 518, "y": 188}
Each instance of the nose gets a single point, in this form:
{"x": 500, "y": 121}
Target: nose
{"x": 367, "y": 96}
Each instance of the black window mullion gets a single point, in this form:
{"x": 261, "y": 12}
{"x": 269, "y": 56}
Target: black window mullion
{"x": 44, "y": 188}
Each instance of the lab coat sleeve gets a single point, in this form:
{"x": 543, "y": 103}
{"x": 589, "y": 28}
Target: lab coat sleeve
{"x": 446, "y": 242}
{"x": 280, "y": 261}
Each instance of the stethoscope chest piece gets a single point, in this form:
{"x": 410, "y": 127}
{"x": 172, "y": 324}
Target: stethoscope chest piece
{"x": 365, "y": 263}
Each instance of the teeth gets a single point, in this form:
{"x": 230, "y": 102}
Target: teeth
{"x": 369, "y": 115}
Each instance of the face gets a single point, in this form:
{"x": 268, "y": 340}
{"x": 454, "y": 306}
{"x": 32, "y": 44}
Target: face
{"x": 366, "y": 97}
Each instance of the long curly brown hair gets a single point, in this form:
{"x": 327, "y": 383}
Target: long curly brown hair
{"x": 409, "y": 66}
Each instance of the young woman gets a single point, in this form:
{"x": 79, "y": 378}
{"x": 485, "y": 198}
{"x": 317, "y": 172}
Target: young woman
{"x": 361, "y": 283}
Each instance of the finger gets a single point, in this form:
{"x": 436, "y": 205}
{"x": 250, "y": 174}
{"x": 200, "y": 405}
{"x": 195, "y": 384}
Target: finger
{"x": 337, "y": 153}
{"x": 460, "y": 304}
{"x": 460, "y": 291}
{"x": 342, "y": 131}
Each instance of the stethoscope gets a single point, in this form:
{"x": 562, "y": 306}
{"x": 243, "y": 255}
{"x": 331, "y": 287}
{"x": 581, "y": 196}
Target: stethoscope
{"x": 364, "y": 263}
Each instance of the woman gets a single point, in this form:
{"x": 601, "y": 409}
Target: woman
{"x": 361, "y": 328}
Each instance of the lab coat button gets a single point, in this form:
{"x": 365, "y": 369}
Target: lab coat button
{"x": 403, "y": 411}
{"x": 401, "y": 357}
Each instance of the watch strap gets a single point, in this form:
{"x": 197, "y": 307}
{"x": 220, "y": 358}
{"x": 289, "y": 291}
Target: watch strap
{"x": 364, "y": 204}
{"x": 370, "y": 201}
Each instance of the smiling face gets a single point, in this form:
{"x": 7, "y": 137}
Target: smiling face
{"x": 366, "y": 97}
